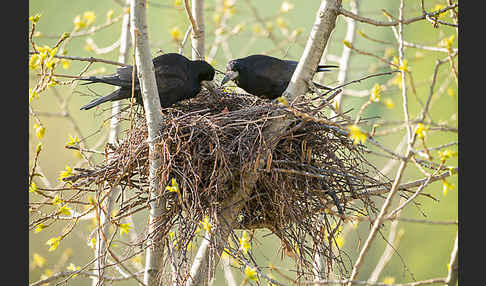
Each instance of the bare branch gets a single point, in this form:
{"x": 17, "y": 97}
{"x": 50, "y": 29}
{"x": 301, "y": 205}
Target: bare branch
{"x": 392, "y": 244}
{"x": 377, "y": 223}
{"x": 200, "y": 264}
{"x": 453, "y": 274}
{"x": 357, "y": 282}
{"x": 394, "y": 23}
{"x": 82, "y": 273}
{"x": 89, "y": 59}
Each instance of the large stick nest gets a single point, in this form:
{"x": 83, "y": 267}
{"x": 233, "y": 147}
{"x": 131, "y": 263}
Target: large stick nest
{"x": 313, "y": 175}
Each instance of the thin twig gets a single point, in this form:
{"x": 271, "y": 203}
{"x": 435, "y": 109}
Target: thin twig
{"x": 393, "y": 23}
{"x": 89, "y": 59}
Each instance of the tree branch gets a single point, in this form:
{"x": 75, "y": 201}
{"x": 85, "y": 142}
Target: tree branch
{"x": 396, "y": 22}
{"x": 89, "y": 59}
{"x": 453, "y": 274}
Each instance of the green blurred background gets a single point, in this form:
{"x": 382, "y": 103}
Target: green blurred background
{"x": 424, "y": 249}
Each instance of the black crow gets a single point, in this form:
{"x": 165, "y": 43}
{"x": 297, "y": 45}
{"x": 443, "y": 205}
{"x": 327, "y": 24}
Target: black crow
{"x": 177, "y": 78}
{"x": 264, "y": 76}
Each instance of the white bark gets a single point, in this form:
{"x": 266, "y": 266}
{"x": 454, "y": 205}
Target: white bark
{"x": 197, "y": 35}
{"x": 122, "y": 58}
{"x": 346, "y": 54}
{"x": 204, "y": 265}
{"x": 100, "y": 249}
{"x": 453, "y": 274}
{"x": 151, "y": 103}
{"x": 101, "y": 237}
{"x": 228, "y": 274}
{"x": 393, "y": 240}
{"x": 200, "y": 265}
{"x": 196, "y": 17}
{"x": 321, "y": 31}
{"x": 319, "y": 267}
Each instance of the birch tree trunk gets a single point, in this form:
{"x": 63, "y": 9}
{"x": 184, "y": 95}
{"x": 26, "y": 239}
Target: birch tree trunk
{"x": 151, "y": 104}
{"x": 321, "y": 31}
{"x": 100, "y": 249}
{"x": 122, "y": 58}
{"x": 316, "y": 43}
{"x": 197, "y": 35}
{"x": 200, "y": 264}
{"x": 198, "y": 38}
{"x": 346, "y": 54}
{"x": 199, "y": 269}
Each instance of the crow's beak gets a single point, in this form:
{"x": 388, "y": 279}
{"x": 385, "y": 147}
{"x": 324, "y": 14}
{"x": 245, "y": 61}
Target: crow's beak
{"x": 231, "y": 75}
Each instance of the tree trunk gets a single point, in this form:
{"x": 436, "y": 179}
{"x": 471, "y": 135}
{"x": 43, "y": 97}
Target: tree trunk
{"x": 321, "y": 31}
{"x": 346, "y": 54}
{"x": 151, "y": 104}
{"x": 197, "y": 35}
{"x": 122, "y": 58}
{"x": 100, "y": 249}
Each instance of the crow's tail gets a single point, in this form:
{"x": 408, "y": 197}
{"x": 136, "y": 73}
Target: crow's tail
{"x": 112, "y": 80}
{"x": 116, "y": 95}
{"x": 321, "y": 68}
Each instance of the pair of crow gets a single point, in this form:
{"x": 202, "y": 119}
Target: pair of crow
{"x": 179, "y": 78}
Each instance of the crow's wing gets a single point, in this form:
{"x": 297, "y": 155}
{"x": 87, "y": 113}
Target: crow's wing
{"x": 291, "y": 64}
{"x": 272, "y": 73}
{"x": 173, "y": 83}
{"x": 124, "y": 75}
{"x": 172, "y": 90}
